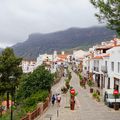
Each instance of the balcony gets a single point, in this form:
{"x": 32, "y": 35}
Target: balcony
{"x": 104, "y": 69}
{"x": 96, "y": 69}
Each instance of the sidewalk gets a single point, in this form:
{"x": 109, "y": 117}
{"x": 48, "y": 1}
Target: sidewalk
{"x": 52, "y": 110}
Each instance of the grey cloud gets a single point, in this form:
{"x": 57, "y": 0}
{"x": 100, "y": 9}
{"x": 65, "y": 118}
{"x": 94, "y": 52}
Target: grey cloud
{"x": 19, "y": 18}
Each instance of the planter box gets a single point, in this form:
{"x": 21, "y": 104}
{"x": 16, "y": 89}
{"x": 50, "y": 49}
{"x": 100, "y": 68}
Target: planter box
{"x": 116, "y": 106}
{"x": 91, "y": 90}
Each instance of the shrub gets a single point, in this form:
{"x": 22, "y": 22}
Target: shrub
{"x": 98, "y": 98}
{"x": 39, "y": 79}
{"x": 82, "y": 83}
{"x": 98, "y": 92}
{"x": 80, "y": 77}
{"x": 41, "y": 95}
{"x": 29, "y": 101}
{"x": 29, "y": 104}
{"x": 64, "y": 89}
{"x": 94, "y": 94}
{"x": 5, "y": 116}
{"x": 69, "y": 76}
{"x": 90, "y": 83}
{"x": 67, "y": 81}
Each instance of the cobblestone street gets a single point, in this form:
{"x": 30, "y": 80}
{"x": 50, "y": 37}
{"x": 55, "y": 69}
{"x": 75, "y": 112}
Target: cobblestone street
{"x": 86, "y": 108}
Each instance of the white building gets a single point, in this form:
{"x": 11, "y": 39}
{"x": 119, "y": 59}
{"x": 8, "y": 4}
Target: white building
{"x": 78, "y": 54}
{"x": 28, "y": 66}
{"x": 53, "y": 61}
{"x": 113, "y": 68}
{"x": 42, "y": 58}
{"x": 77, "y": 59}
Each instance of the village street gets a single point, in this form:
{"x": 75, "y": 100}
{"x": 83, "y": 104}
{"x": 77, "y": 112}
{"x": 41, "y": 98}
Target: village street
{"x": 86, "y": 107}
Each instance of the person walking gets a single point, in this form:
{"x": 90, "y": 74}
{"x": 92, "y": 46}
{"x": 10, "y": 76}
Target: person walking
{"x": 58, "y": 99}
{"x": 53, "y": 99}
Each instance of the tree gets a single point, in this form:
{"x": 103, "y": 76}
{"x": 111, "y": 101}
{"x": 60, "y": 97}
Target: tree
{"x": 109, "y": 11}
{"x": 9, "y": 66}
{"x": 40, "y": 79}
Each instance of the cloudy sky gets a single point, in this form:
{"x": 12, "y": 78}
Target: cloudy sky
{"x": 19, "y": 18}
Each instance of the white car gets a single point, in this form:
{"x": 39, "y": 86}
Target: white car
{"x": 109, "y": 98}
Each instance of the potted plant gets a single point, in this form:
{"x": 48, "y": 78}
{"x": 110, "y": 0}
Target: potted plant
{"x": 67, "y": 83}
{"x": 98, "y": 98}
{"x": 72, "y": 98}
{"x": 90, "y": 84}
{"x": 98, "y": 92}
{"x": 94, "y": 94}
{"x": 64, "y": 90}
{"x": 80, "y": 77}
{"x": 116, "y": 104}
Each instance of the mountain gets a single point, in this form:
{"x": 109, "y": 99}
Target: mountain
{"x": 1, "y": 50}
{"x": 83, "y": 38}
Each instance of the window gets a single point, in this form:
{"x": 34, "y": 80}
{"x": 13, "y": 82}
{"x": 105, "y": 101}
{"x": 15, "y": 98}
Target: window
{"x": 112, "y": 66}
{"x": 106, "y": 65}
{"x": 118, "y": 67}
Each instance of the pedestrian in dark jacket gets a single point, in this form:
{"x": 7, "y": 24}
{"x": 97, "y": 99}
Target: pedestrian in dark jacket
{"x": 53, "y": 99}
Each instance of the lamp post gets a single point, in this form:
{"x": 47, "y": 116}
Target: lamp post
{"x": 12, "y": 80}
{"x": 72, "y": 100}
{"x": 115, "y": 92}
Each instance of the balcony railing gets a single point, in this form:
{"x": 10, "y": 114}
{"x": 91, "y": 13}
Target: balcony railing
{"x": 96, "y": 69}
{"x": 104, "y": 69}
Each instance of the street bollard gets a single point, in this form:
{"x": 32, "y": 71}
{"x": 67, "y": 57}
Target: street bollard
{"x": 49, "y": 116}
{"x": 57, "y": 113}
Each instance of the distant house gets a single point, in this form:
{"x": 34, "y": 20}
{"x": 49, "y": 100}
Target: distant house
{"x": 77, "y": 60}
{"x": 52, "y": 61}
{"x": 42, "y": 58}
{"x": 28, "y": 66}
{"x": 62, "y": 58}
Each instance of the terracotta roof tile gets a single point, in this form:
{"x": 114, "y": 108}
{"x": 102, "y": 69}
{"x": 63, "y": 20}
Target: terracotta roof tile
{"x": 98, "y": 57}
{"x": 104, "y": 47}
{"x": 106, "y": 55}
{"x": 62, "y": 56}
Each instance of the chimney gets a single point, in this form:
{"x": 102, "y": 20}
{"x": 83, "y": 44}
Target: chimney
{"x": 55, "y": 53}
{"x": 62, "y": 52}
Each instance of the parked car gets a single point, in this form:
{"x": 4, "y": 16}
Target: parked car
{"x": 109, "y": 98}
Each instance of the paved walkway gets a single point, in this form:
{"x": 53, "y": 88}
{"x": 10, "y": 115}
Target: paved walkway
{"x": 86, "y": 108}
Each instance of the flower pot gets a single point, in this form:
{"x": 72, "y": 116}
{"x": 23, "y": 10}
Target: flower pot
{"x": 68, "y": 86}
{"x": 116, "y": 106}
{"x": 91, "y": 90}
{"x": 72, "y": 104}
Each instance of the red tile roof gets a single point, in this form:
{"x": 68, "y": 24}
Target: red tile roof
{"x": 98, "y": 57}
{"x": 104, "y": 47}
{"x": 101, "y": 56}
{"x": 62, "y": 56}
{"x": 106, "y": 55}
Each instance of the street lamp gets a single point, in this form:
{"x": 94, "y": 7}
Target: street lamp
{"x": 72, "y": 99}
{"x": 12, "y": 81}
